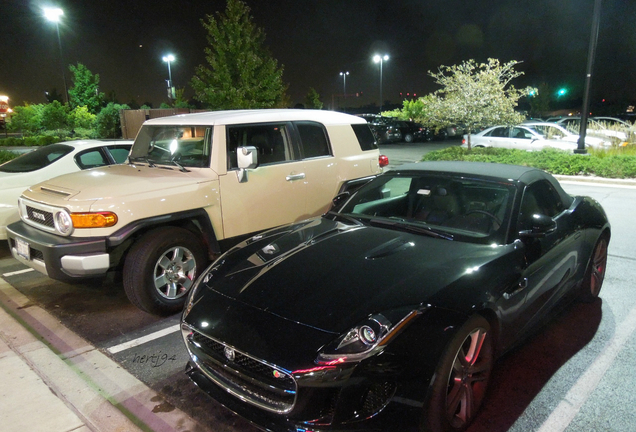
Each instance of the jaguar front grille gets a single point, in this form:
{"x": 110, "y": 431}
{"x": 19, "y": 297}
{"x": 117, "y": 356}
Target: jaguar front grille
{"x": 253, "y": 380}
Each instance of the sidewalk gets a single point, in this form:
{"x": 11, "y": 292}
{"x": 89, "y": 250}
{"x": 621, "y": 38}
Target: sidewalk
{"x": 40, "y": 392}
{"x": 55, "y": 381}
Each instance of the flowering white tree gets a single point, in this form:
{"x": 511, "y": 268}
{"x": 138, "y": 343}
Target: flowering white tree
{"x": 474, "y": 95}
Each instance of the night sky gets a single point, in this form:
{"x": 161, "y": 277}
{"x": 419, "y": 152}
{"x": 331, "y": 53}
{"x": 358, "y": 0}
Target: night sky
{"x": 124, "y": 41}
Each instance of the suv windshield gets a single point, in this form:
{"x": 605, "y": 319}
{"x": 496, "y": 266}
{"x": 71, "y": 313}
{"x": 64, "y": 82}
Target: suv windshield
{"x": 37, "y": 159}
{"x": 185, "y": 146}
{"x": 470, "y": 210}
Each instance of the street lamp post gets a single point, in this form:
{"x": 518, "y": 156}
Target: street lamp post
{"x": 168, "y": 59}
{"x": 596, "y": 19}
{"x": 53, "y": 15}
{"x": 344, "y": 82}
{"x": 380, "y": 59}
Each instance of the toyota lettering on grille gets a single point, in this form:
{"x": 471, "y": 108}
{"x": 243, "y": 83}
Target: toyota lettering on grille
{"x": 39, "y": 216}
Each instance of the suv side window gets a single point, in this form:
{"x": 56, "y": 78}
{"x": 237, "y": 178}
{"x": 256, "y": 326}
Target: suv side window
{"x": 365, "y": 136}
{"x": 271, "y": 141}
{"x": 313, "y": 139}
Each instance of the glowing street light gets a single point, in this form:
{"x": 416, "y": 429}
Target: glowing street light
{"x": 168, "y": 59}
{"x": 54, "y": 15}
{"x": 344, "y": 82}
{"x": 380, "y": 59}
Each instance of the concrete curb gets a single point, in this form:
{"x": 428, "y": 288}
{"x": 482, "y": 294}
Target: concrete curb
{"x": 100, "y": 392}
{"x": 597, "y": 180}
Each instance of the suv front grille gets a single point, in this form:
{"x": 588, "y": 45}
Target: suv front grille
{"x": 253, "y": 380}
{"x": 40, "y": 217}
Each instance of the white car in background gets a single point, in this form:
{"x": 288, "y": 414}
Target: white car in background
{"x": 51, "y": 161}
{"x": 530, "y": 136}
{"x": 608, "y": 128}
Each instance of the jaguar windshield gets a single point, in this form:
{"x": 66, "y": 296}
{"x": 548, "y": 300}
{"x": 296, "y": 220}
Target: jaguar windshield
{"x": 461, "y": 208}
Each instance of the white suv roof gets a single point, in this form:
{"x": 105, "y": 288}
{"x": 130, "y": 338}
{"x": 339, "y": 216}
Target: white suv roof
{"x": 257, "y": 116}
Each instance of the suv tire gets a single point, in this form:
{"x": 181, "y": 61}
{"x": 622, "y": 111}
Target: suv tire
{"x": 161, "y": 268}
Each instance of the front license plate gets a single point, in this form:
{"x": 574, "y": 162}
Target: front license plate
{"x": 23, "y": 248}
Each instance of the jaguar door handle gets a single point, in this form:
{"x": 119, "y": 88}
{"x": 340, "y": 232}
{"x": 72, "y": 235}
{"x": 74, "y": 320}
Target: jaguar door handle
{"x": 293, "y": 177}
{"x": 523, "y": 284}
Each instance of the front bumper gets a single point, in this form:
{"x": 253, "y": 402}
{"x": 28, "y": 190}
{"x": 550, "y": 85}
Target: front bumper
{"x": 61, "y": 258}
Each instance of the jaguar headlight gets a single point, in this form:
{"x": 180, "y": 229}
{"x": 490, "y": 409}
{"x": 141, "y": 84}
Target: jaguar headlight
{"x": 63, "y": 222}
{"x": 365, "y": 339}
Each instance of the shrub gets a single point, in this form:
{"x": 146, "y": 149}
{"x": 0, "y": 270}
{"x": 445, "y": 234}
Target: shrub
{"x": 6, "y": 156}
{"x": 108, "y": 124}
{"x": 617, "y": 163}
{"x": 54, "y": 116}
{"x": 80, "y": 117}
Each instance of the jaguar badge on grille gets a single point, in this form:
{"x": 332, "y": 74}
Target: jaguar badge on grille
{"x": 229, "y": 353}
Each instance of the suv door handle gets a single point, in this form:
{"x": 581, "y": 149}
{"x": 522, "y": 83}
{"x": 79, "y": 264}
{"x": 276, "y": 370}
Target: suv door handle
{"x": 293, "y": 177}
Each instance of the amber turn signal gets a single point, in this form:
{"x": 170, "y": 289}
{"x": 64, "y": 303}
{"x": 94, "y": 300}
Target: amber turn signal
{"x": 94, "y": 220}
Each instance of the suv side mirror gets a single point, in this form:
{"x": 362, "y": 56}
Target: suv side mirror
{"x": 542, "y": 225}
{"x": 246, "y": 158}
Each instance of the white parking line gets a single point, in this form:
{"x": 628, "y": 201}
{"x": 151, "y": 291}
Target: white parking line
{"x": 567, "y": 409}
{"x": 142, "y": 340}
{"x": 17, "y": 272}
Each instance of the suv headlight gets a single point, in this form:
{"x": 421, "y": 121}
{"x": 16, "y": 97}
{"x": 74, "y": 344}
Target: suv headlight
{"x": 63, "y": 222}
{"x": 365, "y": 339}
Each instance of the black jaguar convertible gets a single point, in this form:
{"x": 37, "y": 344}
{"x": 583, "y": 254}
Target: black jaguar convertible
{"x": 388, "y": 312}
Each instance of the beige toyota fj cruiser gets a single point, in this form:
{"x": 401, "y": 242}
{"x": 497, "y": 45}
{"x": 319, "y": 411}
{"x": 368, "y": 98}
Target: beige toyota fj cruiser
{"x": 193, "y": 186}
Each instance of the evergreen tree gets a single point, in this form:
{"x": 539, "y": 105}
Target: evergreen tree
{"x": 85, "y": 89}
{"x": 240, "y": 72}
{"x": 312, "y": 100}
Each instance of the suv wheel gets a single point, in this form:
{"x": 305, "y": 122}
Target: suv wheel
{"x": 408, "y": 138}
{"x": 160, "y": 269}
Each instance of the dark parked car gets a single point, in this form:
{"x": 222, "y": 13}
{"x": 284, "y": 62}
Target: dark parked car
{"x": 384, "y": 128}
{"x": 412, "y": 131}
{"x": 388, "y": 312}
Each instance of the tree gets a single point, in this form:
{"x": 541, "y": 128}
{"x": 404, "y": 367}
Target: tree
{"x": 80, "y": 117}
{"x": 53, "y": 95}
{"x": 107, "y": 123}
{"x": 26, "y": 118}
{"x": 540, "y": 101}
{"x": 54, "y": 116}
{"x": 411, "y": 109}
{"x": 312, "y": 100}
{"x": 85, "y": 89}
{"x": 474, "y": 95}
{"x": 240, "y": 72}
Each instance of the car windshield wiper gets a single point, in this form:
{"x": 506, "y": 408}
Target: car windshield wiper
{"x": 143, "y": 159}
{"x": 412, "y": 228}
{"x": 181, "y": 167}
{"x": 345, "y": 217}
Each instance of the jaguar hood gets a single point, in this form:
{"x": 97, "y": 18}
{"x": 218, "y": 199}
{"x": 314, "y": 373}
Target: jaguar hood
{"x": 330, "y": 275}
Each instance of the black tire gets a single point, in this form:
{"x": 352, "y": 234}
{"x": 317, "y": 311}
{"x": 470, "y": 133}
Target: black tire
{"x": 408, "y": 138}
{"x": 160, "y": 269}
{"x": 595, "y": 271}
{"x": 461, "y": 379}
